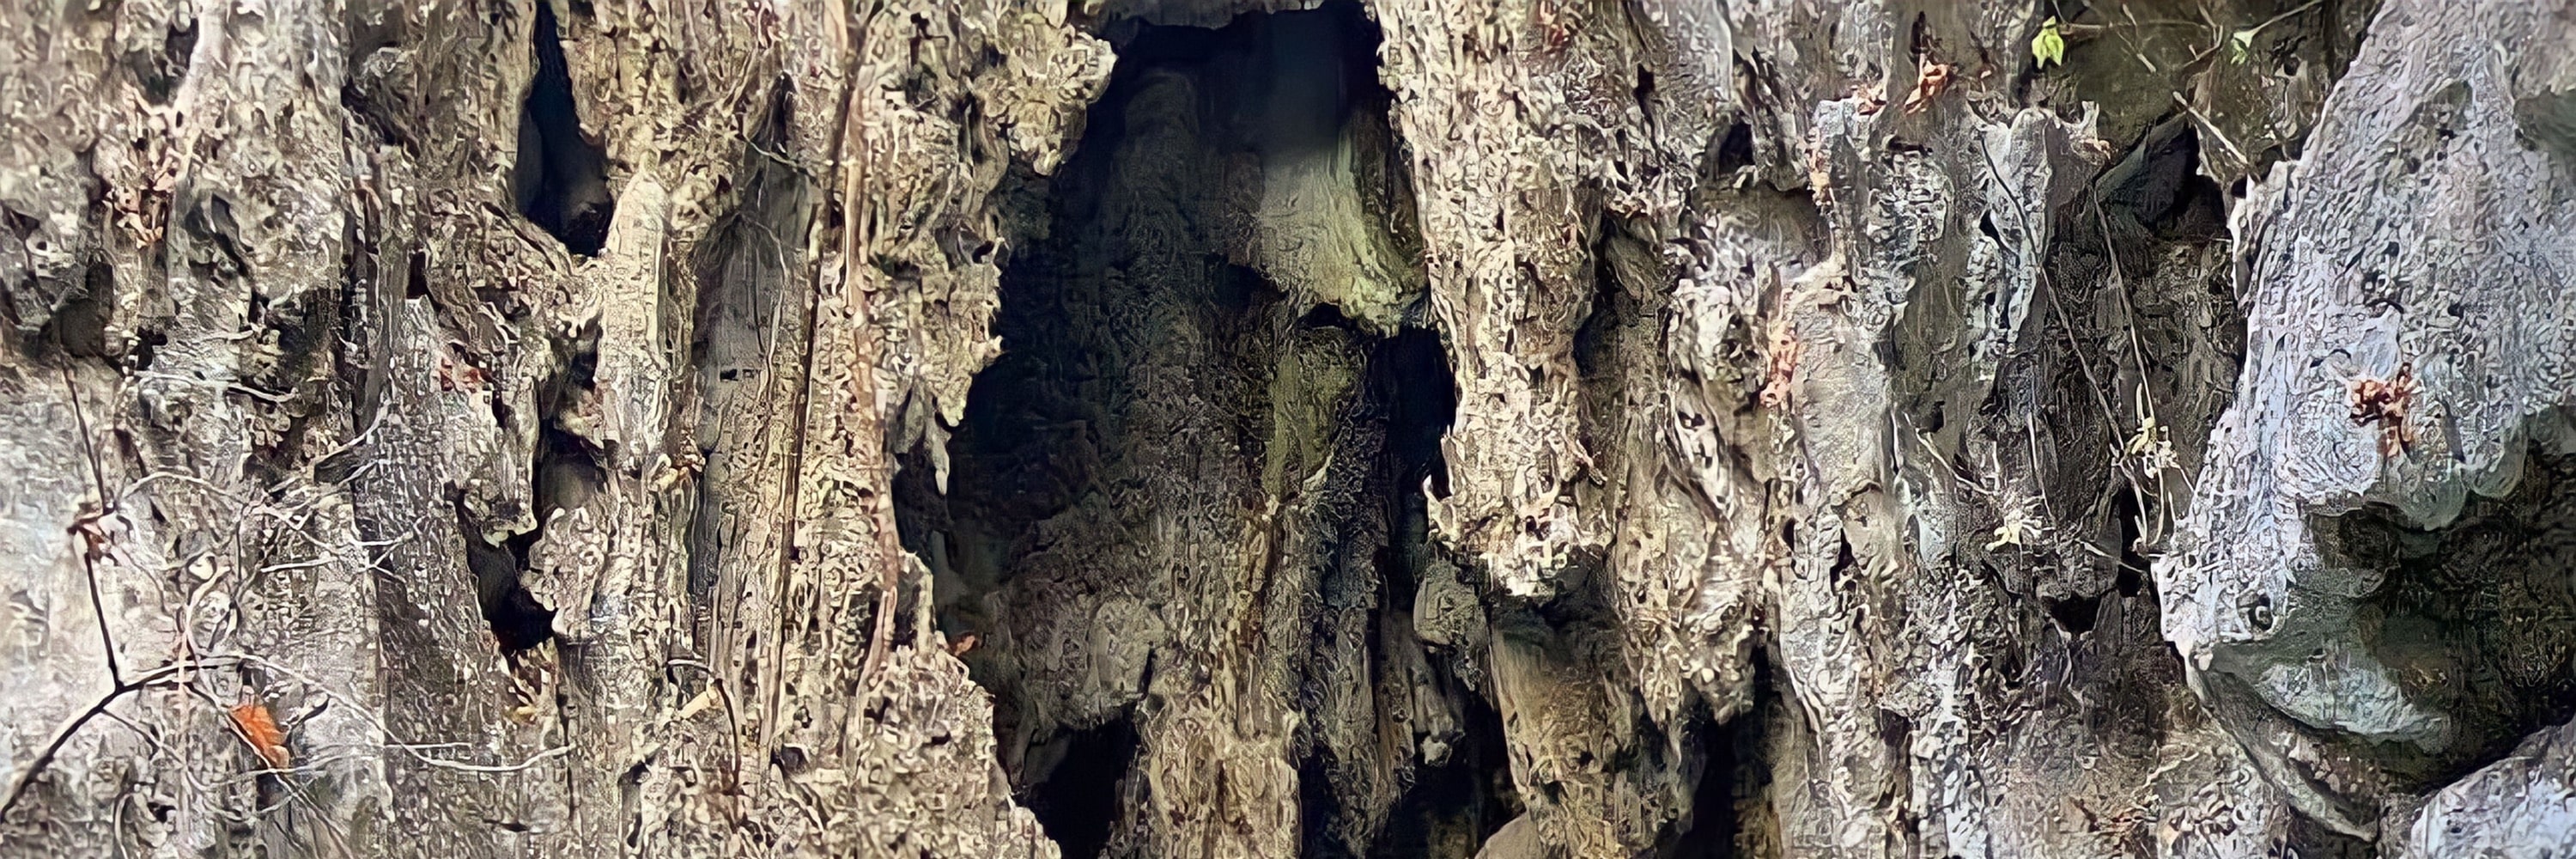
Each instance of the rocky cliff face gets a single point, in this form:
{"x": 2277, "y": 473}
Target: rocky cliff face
{"x": 1503, "y": 428}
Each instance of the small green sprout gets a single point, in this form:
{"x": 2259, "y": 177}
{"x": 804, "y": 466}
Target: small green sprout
{"x": 2049, "y": 46}
{"x": 2241, "y": 44}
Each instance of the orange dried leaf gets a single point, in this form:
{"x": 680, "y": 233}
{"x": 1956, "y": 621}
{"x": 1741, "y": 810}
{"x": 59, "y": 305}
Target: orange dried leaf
{"x": 261, "y": 730}
{"x": 1871, "y": 102}
{"x": 1936, "y": 77}
{"x": 2388, "y": 402}
{"x": 1784, "y": 350}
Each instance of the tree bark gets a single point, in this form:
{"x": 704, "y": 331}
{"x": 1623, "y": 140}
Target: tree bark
{"x": 1510, "y": 428}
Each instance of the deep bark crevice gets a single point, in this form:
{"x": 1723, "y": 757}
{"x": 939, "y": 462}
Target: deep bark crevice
{"x": 158, "y": 73}
{"x": 1077, "y": 797}
{"x": 748, "y": 324}
{"x": 2473, "y": 618}
{"x": 1162, "y": 357}
{"x": 1412, "y": 374}
{"x": 561, "y": 178}
{"x": 1730, "y": 797}
{"x": 517, "y": 620}
{"x": 79, "y": 325}
{"x": 1452, "y": 807}
{"x": 566, "y": 473}
{"x": 1947, "y": 453}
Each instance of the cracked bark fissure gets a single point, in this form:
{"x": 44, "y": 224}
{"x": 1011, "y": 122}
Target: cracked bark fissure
{"x": 856, "y": 236}
{"x": 1500, "y": 428}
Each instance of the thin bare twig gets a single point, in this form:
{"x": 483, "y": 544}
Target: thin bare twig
{"x": 733, "y": 722}
{"x": 387, "y": 732}
{"x": 90, "y": 520}
{"x": 2213, "y": 129}
{"x": 2047, "y": 286}
{"x": 155, "y": 677}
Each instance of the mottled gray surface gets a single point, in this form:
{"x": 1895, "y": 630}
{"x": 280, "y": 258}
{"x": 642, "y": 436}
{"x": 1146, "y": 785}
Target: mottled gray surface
{"x": 949, "y": 438}
{"x": 2422, "y": 229}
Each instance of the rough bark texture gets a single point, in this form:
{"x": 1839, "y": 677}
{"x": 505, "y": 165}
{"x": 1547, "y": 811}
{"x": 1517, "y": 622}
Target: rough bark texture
{"x": 1498, "y": 428}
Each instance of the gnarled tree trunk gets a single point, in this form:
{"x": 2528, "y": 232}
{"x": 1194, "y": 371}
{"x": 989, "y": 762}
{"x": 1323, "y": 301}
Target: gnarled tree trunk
{"x": 1503, "y": 428}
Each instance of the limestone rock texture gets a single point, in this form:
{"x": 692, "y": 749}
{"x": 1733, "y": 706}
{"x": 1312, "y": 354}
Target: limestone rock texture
{"x": 1259, "y": 428}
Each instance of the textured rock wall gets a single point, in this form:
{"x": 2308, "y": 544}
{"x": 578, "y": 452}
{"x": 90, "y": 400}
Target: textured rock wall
{"x": 363, "y": 362}
{"x": 1504, "y": 428}
{"x": 2377, "y": 631}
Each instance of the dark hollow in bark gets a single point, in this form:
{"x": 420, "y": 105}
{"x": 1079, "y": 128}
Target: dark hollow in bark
{"x": 561, "y": 179}
{"x": 2473, "y": 618}
{"x": 1139, "y": 307}
{"x": 1078, "y": 802}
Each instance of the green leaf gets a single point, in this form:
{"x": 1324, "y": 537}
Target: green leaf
{"x": 2048, "y": 46}
{"x": 2241, "y": 44}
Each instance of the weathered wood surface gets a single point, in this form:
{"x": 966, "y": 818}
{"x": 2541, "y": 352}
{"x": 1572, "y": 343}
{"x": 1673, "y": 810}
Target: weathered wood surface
{"x": 1413, "y": 427}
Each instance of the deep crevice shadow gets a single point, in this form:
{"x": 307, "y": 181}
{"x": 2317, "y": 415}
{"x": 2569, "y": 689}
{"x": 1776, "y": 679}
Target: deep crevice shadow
{"x": 561, "y": 179}
{"x": 1452, "y": 808}
{"x": 2471, "y": 618}
{"x": 1129, "y": 330}
{"x": 1078, "y": 799}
